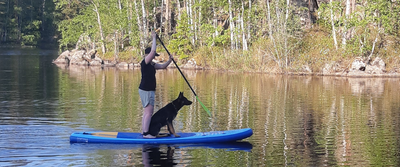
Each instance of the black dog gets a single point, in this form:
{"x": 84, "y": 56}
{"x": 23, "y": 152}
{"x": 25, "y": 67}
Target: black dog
{"x": 166, "y": 115}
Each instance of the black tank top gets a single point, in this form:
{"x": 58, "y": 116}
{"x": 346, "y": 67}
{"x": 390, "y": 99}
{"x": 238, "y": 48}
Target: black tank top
{"x": 148, "y": 81}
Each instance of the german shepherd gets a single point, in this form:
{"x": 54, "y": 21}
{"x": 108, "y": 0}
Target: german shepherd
{"x": 166, "y": 115}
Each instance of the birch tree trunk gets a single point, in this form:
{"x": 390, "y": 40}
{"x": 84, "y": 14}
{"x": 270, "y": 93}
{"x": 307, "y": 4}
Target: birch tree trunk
{"x": 5, "y": 25}
{"x": 199, "y": 19}
{"x": 333, "y": 26}
{"x": 347, "y": 16}
{"x": 188, "y": 10}
{"x": 167, "y": 17}
{"x": 144, "y": 19}
{"x": 116, "y": 45}
{"x": 285, "y": 34}
{"x": 244, "y": 44}
{"x": 178, "y": 5}
{"x": 248, "y": 23}
{"x": 237, "y": 35}
{"x": 161, "y": 16}
{"x": 215, "y": 22}
{"x": 119, "y": 37}
{"x": 231, "y": 25}
{"x": 353, "y": 5}
{"x": 141, "y": 42}
{"x": 193, "y": 11}
{"x": 129, "y": 16}
{"x": 155, "y": 15}
{"x": 103, "y": 48}
{"x": 271, "y": 35}
{"x": 190, "y": 6}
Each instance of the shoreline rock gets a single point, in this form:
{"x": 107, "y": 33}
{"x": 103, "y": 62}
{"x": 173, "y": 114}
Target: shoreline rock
{"x": 91, "y": 58}
{"x": 359, "y": 68}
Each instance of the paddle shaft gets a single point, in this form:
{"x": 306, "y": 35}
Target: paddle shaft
{"x": 204, "y": 107}
{"x": 177, "y": 66}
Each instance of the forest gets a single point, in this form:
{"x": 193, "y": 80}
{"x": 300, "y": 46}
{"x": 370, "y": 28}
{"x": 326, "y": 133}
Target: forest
{"x": 247, "y": 35}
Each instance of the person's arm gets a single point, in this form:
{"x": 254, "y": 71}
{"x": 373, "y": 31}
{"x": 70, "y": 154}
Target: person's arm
{"x": 152, "y": 53}
{"x": 164, "y": 65}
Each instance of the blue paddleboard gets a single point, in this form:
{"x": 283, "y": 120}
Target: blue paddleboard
{"x": 137, "y": 138}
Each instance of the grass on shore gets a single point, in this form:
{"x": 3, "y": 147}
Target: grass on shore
{"x": 314, "y": 50}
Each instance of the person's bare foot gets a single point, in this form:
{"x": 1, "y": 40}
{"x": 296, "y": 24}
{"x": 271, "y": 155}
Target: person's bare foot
{"x": 149, "y": 136}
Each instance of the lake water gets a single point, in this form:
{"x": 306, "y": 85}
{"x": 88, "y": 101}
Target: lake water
{"x": 296, "y": 120}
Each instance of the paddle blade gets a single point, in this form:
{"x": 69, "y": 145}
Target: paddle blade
{"x": 204, "y": 107}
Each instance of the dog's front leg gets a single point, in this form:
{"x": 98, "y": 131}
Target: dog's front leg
{"x": 171, "y": 129}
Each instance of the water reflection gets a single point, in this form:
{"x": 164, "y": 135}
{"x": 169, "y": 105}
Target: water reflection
{"x": 153, "y": 156}
{"x": 162, "y": 155}
{"x": 296, "y": 120}
{"x": 170, "y": 155}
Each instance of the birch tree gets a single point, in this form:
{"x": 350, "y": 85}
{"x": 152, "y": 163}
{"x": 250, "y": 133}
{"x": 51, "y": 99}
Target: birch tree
{"x": 96, "y": 10}
{"x": 140, "y": 28}
{"x": 215, "y": 21}
{"x": 244, "y": 44}
{"x": 347, "y": 16}
{"x": 282, "y": 36}
{"x": 167, "y": 17}
{"x": 191, "y": 23}
{"x": 271, "y": 35}
{"x": 178, "y": 5}
{"x": 144, "y": 20}
{"x": 129, "y": 16}
{"x": 4, "y": 33}
{"x": 333, "y": 25}
{"x": 231, "y": 25}
{"x": 249, "y": 23}
{"x": 161, "y": 16}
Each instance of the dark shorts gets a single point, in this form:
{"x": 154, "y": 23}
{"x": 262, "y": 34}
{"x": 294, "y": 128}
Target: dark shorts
{"x": 147, "y": 97}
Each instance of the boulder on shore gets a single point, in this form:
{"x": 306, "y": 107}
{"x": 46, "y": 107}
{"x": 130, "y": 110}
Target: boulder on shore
{"x": 357, "y": 65}
{"x": 79, "y": 57}
{"x": 63, "y": 58}
{"x": 361, "y": 67}
{"x": 378, "y": 66}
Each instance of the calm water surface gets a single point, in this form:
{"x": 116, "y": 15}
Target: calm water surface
{"x": 297, "y": 121}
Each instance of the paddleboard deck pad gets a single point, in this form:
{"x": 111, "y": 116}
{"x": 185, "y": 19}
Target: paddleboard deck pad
{"x": 137, "y": 138}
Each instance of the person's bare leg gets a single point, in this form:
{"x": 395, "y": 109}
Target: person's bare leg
{"x": 148, "y": 112}
{"x": 145, "y": 156}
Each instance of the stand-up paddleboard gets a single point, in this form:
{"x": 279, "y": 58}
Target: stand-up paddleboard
{"x": 137, "y": 138}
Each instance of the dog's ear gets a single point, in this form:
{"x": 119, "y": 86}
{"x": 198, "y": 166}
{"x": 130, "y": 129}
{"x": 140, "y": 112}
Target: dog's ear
{"x": 180, "y": 94}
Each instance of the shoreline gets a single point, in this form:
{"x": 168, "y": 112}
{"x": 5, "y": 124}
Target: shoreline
{"x": 318, "y": 74}
{"x": 359, "y": 68}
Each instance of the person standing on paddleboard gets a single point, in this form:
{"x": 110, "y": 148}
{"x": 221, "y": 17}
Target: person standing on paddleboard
{"x": 147, "y": 85}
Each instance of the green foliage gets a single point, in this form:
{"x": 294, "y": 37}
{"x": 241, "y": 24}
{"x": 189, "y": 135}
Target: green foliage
{"x": 220, "y": 40}
{"x": 373, "y": 20}
{"x": 180, "y": 43}
{"x": 316, "y": 49}
{"x": 383, "y": 14}
{"x": 325, "y": 13}
{"x": 27, "y": 22}
{"x": 372, "y": 23}
{"x": 33, "y": 33}
{"x": 286, "y": 33}
{"x": 72, "y": 29}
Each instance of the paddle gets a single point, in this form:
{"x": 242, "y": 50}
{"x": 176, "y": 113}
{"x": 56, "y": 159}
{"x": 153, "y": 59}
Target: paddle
{"x": 204, "y": 107}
